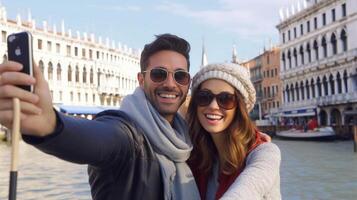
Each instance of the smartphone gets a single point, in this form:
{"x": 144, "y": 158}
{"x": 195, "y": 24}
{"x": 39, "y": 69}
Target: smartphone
{"x": 19, "y": 48}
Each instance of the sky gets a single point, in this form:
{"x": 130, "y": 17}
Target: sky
{"x": 248, "y": 24}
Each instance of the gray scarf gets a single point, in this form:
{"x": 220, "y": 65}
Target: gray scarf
{"x": 171, "y": 144}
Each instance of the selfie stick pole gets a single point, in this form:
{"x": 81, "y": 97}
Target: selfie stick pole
{"x": 14, "y": 149}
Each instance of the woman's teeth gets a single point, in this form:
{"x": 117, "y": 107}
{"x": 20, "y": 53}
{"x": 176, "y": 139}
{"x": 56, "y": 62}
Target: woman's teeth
{"x": 213, "y": 117}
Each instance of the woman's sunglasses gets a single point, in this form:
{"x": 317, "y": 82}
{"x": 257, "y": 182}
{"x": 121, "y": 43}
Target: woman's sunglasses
{"x": 224, "y": 100}
{"x": 159, "y": 75}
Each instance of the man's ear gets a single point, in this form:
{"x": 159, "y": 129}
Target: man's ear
{"x": 141, "y": 79}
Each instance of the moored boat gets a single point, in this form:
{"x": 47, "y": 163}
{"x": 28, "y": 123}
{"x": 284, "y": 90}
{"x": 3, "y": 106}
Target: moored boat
{"x": 322, "y": 133}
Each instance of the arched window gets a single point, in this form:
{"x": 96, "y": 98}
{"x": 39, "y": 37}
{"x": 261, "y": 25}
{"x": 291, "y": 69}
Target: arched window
{"x": 42, "y": 67}
{"x": 295, "y": 58}
{"x": 297, "y": 91}
{"x": 84, "y": 75}
{"x": 324, "y": 46}
{"x": 283, "y": 59}
{"x": 292, "y": 92}
{"x": 334, "y": 44}
{"x": 289, "y": 59}
{"x": 324, "y": 82}
{"x": 69, "y": 74}
{"x": 316, "y": 49}
{"x": 4, "y": 58}
{"x": 287, "y": 94}
{"x": 344, "y": 40}
{"x": 345, "y": 80}
{"x": 77, "y": 74}
{"x": 319, "y": 89}
{"x": 59, "y": 72}
{"x": 339, "y": 83}
{"x": 91, "y": 78}
{"x": 307, "y": 87}
{"x": 50, "y": 71}
{"x": 302, "y": 55}
{"x": 302, "y": 90}
{"x": 312, "y": 85}
{"x": 308, "y": 50}
{"x": 332, "y": 85}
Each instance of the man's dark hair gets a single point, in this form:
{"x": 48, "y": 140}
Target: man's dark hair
{"x": 165, "y": 42}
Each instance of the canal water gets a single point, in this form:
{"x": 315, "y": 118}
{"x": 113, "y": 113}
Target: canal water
{"x": 309, "y": 171}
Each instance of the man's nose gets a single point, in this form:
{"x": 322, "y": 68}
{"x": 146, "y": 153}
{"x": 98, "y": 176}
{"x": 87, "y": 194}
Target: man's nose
{"x": 170, "y": 80}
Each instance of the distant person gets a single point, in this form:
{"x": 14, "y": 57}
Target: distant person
{"x": 312, "y": 124}
{"x": 225, "y": 140}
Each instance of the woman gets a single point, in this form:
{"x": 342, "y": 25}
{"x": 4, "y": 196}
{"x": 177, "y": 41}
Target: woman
{"x": 230, "y": 160}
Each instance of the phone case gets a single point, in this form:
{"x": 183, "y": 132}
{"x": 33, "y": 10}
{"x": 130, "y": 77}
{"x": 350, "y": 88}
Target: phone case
{"x": 19, "y": 47}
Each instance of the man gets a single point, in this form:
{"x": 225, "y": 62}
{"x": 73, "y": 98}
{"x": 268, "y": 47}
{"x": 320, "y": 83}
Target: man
{"x": 135, "y": 153}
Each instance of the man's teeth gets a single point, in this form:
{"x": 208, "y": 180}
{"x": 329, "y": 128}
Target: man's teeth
{"x": 168, "y": 96}
{"x": 215, "y": 117}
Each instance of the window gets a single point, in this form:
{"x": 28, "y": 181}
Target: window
{"x": 68, "y": 49}
{"x": 333, "y": 13}
{"x": 49, "y": 46}
{"x": 315, "y": 23}
{"x": 324, "y": 19}
{"x": 60, "y": 95}
{"x": 308, "y": 26}
{"x": 308, "y": 50}
{"x": 3, "y": 36}
{"x": 283, "y": 37}
{"x": 334, "y": 44}
{"x": 324, "y": 46}
{"x": 84, "y": 74}
{"x": 75, "y": 51}
{"x": 316, "y": 49}
{"x": 295, "y": 34}
{"x": 58, "y": 48}
{"x": 71, "y": 94}
{"x": 276, "y": 71}
{"x": 98, "y": 54}
{"x": 59, "y": 72}
{"x": 289, "y": 37}
{"x": 77, "y": 74}
{"x": 90, "y": 53}
{"x": 83, "y": 52}
{"x": 301, "y": 29}
{"x": 344, "y": 40}
{"x": 344, "y": 13}
{"x": 50, "y": 71}
{"x": 39, "y": 44}
{"x": 69, "y": 76}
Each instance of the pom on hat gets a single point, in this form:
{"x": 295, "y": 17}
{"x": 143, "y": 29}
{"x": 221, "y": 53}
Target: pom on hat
{"x": 234, "y": 74}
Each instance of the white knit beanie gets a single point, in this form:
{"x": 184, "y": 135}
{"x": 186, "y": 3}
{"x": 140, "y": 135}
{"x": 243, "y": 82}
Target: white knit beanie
{"x": 234, "y": 74}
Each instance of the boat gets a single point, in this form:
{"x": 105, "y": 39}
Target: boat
{"x": 322, "y": 133}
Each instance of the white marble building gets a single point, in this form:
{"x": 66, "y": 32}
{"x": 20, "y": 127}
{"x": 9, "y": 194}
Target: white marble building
{"x": 82, "y": 70}
{"x": 318, "y": 60}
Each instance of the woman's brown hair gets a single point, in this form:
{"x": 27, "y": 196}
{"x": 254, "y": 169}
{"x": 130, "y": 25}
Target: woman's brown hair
{"x": 239, "y": 136}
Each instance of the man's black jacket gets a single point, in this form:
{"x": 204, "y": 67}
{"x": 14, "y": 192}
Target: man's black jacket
{"x": 121, "y": 161}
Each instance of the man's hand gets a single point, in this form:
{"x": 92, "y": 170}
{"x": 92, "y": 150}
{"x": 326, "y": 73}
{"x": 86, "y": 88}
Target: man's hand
{"x": 37, "y": 115}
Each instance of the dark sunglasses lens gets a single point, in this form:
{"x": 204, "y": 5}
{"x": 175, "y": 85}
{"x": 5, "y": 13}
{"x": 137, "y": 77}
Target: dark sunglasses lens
{"x": 226, "y": 100}
{"x": 204, "y": 98}
{"x": 158, "y": 75}
{"x": 182, "y": 77}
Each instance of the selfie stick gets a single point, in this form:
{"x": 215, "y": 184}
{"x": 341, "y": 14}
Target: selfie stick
{"x": 14, "y": 149}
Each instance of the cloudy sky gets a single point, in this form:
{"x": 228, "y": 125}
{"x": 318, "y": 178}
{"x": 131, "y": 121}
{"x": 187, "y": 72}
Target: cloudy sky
{"x": 248, "y": 24}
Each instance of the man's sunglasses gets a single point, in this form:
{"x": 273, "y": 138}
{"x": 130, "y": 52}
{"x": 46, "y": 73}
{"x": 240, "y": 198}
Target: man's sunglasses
{"x": 224, "y": 100}
{"x": 159, "y": 75}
